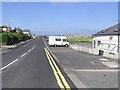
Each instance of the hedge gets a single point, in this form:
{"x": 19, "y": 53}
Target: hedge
{"x": 12, "y": 38}
{"x": 80, "y": 39}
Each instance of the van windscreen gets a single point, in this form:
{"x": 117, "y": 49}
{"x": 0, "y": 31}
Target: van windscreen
{"x": 64, "y": 40}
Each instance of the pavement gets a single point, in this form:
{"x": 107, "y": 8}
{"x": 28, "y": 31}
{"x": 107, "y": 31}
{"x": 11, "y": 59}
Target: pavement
{"x": 27, "y": 66}
{"x": 84, "y": 69}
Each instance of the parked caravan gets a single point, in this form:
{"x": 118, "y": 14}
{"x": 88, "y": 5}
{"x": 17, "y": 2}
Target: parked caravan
{"x": 58, "y": 41}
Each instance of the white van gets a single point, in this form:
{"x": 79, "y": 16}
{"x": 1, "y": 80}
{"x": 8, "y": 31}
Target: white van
{"x": 58, "y": 41}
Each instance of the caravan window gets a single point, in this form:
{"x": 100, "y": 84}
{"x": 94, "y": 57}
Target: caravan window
{"x": 57, "y": 39}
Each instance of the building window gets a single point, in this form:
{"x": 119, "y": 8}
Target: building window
{"x": 111, "y": 37}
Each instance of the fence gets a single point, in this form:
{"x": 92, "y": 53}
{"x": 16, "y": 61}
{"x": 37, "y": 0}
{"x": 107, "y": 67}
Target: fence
{"x": 87, "y": 47}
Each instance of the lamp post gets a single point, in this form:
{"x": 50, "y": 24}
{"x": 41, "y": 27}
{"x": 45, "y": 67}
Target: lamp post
{"x": 8, "y": 39}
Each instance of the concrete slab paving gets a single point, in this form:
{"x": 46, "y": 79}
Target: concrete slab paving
{"x": 111, "y": 64}
{"x": 86, "y": 70}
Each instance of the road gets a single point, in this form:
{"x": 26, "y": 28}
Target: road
{"x": 31, "y": 66}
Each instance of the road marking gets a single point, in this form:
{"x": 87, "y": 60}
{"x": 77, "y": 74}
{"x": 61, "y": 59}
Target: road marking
{"x": 8, "y": 64}
{"x": 59, "y": 77}
{"x": 55, "y": 72}
{"x": 62, "y": 77}
{"x": 33, "y": 47}
{"x": 29, "y": 50}
{"x": 15, "y": 60}
{"x": 23, "y": 55}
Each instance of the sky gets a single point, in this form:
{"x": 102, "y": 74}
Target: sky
{"x": 60, "y": 18}
{"x": 60, "y": 0}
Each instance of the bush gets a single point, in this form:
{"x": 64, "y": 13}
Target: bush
{"x": 4, "y": 38}
{"x": 81, "y": 39}
{"x": 22, "y": 37}
{"x": 12, "y": 38}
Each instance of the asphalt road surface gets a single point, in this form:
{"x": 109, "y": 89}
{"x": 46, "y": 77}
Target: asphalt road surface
{"x": 28, "y": 66}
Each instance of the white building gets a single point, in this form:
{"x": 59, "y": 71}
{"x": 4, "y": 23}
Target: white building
{"x": 27, "y": 31}
{"x": 107, "y": 41}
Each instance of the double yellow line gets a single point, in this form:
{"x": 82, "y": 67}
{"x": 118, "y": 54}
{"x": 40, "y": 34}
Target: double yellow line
{"x": 58, "y": 75}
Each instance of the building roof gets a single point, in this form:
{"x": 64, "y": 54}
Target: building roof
{"x": 26, "y": 30}
{"x": 113, "y": 30}
{"x": 4, "y": 26}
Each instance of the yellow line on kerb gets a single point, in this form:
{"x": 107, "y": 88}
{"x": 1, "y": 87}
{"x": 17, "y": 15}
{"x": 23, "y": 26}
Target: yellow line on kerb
{"x": 60, "y": 78}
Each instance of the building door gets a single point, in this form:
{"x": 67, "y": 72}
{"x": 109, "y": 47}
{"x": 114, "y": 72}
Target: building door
{"x": 99, "y": 42}
{"x": 94, "y": 44}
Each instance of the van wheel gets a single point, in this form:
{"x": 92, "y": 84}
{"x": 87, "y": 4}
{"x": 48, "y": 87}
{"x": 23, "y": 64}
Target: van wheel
{"x": 66, "y": 45}
{"x": 55, "y": 45}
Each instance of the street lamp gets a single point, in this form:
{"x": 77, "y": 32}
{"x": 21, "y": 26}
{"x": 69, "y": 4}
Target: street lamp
{"x": 11, "y": 21}
{"x": 8, "y": 39}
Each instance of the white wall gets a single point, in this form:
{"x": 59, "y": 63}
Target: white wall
{"x": 107, "y": 43}
{"x": 28, "y": 33}
{"x": 106, "y": 39}
{"x": 95, "y": 51}
{"x": 5, "y": 29}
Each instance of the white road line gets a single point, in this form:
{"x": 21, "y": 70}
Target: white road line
{"x": 15, "y": 60}
{"x": 23, "y": 54}
{"x": 33, "y": 47}
{"x": 29, "y": 50}
{"x": 8, "y": 64}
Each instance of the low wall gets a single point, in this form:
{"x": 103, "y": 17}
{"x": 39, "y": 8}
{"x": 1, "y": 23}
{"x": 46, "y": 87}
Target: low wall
{"x": 96, "y": 51}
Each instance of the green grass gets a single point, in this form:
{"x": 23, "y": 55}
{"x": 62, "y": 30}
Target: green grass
{"x": 80, "y": 39}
